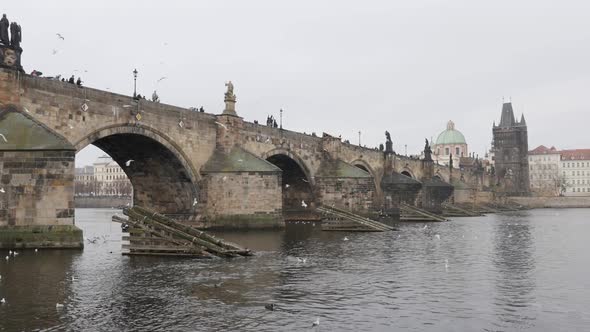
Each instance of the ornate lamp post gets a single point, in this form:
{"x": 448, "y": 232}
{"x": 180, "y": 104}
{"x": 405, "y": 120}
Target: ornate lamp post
{"x": 134, "y": 83}
{"x": 359, "y": 138}
{"x": 281, "y": 117}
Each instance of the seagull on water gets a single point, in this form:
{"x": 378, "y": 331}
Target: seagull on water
{"x": 316, "y": 323}
{"x": 2, "y": 190}
{"x": 301, "y": 260}
{"x": 224, "y": 178}
{"x": 128, "y": 162}
{"x": 345, "y": 238}
{"x": 74, "y": 278}
{"x": 221, "y": 124}
{"x": 270, "y": 306}
{"x": 59, "y": 305}
{"x": 425, "y": 227}
{"x": 7, "y": 257}
{"x": 303, "y": 204}
{"x": 437, "y": 236}
{"x": 4, "y": 138}
{"x": 446, "y": 264}
{"x": 3, "y": 301}
{"x": 36, "y": 249}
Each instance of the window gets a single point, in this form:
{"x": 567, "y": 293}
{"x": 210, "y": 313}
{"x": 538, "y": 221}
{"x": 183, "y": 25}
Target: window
{"x": 457, "y": 153}
{"x": 447, "y": 151}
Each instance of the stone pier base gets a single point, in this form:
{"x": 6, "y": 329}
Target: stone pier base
{"x": 41, "y": 236}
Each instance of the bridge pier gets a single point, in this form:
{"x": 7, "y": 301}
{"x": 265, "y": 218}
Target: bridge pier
{"x": 36, "y": 185}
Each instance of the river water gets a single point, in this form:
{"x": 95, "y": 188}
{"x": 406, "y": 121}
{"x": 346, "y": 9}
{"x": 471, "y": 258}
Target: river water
{"x": 507, "y": 272}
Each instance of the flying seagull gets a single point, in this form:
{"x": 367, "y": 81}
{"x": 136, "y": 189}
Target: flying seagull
{"x": 54, "y": 51}
{"x": 4, "y": 138}
{"x": 162, "y": 78}
{"x": 128, "y": 162}
{"x": 60, "y": 36}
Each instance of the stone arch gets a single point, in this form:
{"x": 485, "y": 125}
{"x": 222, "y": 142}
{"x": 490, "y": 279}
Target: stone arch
{"x": 162, "y": 176}
{"x": 296, "y": 183}
{"x": 408, "y": 172}
{"x": 295, "y": 158}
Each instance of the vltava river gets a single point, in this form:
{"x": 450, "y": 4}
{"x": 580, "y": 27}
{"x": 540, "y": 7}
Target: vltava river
{"x": 527, "y": 271}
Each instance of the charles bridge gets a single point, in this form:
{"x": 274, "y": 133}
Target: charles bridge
{"x": 211, "y": 170}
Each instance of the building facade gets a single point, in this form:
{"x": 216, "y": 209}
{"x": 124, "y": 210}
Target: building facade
{"x": 103, "y": 178}
{"x": 85, "y": 182}
{"x": 510, "y": 145}
{"x": 449, "y": 144}
{"x": 575, "y": 171}
{"x": 544, "y": 176}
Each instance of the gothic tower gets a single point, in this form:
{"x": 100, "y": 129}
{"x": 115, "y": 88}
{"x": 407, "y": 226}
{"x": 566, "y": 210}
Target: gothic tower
{"x": 510, "y": 150}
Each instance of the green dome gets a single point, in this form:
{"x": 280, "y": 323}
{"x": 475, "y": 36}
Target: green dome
{"x": 450, "y": 136}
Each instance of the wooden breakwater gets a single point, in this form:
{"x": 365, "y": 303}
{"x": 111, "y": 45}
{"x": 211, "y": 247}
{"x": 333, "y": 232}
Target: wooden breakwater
{"x": 151, "y": 233}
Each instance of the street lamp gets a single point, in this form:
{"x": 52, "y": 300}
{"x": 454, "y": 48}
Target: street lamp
{"x": 281, "y": 112}
{"x": 359, "y": 138}
{"x": 134, "y": 83}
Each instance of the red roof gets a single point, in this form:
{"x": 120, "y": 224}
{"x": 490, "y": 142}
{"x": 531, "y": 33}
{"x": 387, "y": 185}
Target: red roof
{"x": 542, "y": 149}
{"x": 578, "y": 154}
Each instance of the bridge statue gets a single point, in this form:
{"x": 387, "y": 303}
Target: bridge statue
{"x": 4, "y": 30}
{"x": 388, "y": 143}
{"x": 427, "y": 151}
{"x": 15, "y": 35}
{"x": 230, "y": 100}
{"x": 229, "y": 94}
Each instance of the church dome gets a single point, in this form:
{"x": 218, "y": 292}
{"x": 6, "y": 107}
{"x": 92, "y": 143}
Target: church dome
{"x": 450, "y": 136}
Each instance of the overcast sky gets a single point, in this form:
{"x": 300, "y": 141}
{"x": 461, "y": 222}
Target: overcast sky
{"x": 334, "y": 66}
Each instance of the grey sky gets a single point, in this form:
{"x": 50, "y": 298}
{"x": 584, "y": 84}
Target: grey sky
{"x": 334, "y": 66}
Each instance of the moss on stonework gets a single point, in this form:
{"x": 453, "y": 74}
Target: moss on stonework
{"x": 41, "y": 236}
{"x": 246, "y": 221}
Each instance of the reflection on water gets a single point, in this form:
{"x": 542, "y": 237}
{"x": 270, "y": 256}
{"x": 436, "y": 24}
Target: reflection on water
{"x": 521, "y": 271}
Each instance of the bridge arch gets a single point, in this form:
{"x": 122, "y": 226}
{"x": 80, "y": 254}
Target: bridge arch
{"x": 408, "y": 172}
{"x": 296, "y": 182}
{"x": 294, "y": 157}
{"x": 161, "y": 174}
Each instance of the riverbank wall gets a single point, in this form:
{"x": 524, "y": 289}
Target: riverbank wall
{"x": 101, "y": 201}
{"x": 553, "y": 202}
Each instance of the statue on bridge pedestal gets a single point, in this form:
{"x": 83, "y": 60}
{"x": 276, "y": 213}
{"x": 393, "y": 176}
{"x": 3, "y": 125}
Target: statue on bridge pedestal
{"x": 427, "y": 151}
{"x": 4, "y": 30}
{"x": 10, "y": 50}
{"x": 230, "y": 100}
{"x": 15, "y": 35}
{"x": 229, "y": 94}
{"x": 388, "y": 143}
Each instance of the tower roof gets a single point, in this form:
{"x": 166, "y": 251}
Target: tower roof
{"x": 507, "y": 118}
